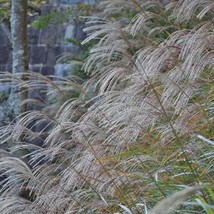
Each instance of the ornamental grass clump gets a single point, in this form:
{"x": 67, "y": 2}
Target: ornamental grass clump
{"x": 140, "y": 129}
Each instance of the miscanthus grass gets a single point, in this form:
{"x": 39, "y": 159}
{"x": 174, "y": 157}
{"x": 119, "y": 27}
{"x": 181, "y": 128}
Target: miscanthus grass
{"x": 141, "y": 129}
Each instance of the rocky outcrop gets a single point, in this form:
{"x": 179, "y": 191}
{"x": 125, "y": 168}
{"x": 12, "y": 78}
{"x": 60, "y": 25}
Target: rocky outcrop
{"x": 46, "y": 47}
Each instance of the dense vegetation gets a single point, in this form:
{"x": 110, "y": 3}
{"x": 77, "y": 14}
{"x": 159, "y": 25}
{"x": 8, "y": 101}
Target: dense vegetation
{"x": 141, "y": 127}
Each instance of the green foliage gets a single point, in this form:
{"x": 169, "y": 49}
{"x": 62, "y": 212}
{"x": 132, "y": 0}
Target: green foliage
{"x": 56, "y": 17}
{"x": 207, "y": 206}
{"x": 3, "y": 96}
{"x": 4, "y": 10}
{"x": 52, "y": 17}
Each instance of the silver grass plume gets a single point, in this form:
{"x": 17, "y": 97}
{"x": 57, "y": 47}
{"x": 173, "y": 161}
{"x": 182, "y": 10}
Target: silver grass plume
{"x": 140, "y": 85}
{"x": 168, "y": 205}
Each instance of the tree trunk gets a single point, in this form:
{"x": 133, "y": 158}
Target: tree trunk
{"x": 20, "y": 47}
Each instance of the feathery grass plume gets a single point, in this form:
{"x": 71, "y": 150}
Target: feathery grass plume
{"x": 169, "y": 204}
{"x": 134, "y": 139}
{"x": 187, "y": 9}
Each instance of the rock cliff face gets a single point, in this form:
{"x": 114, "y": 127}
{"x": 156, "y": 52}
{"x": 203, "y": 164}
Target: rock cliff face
{"x": 46, "y": 46}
